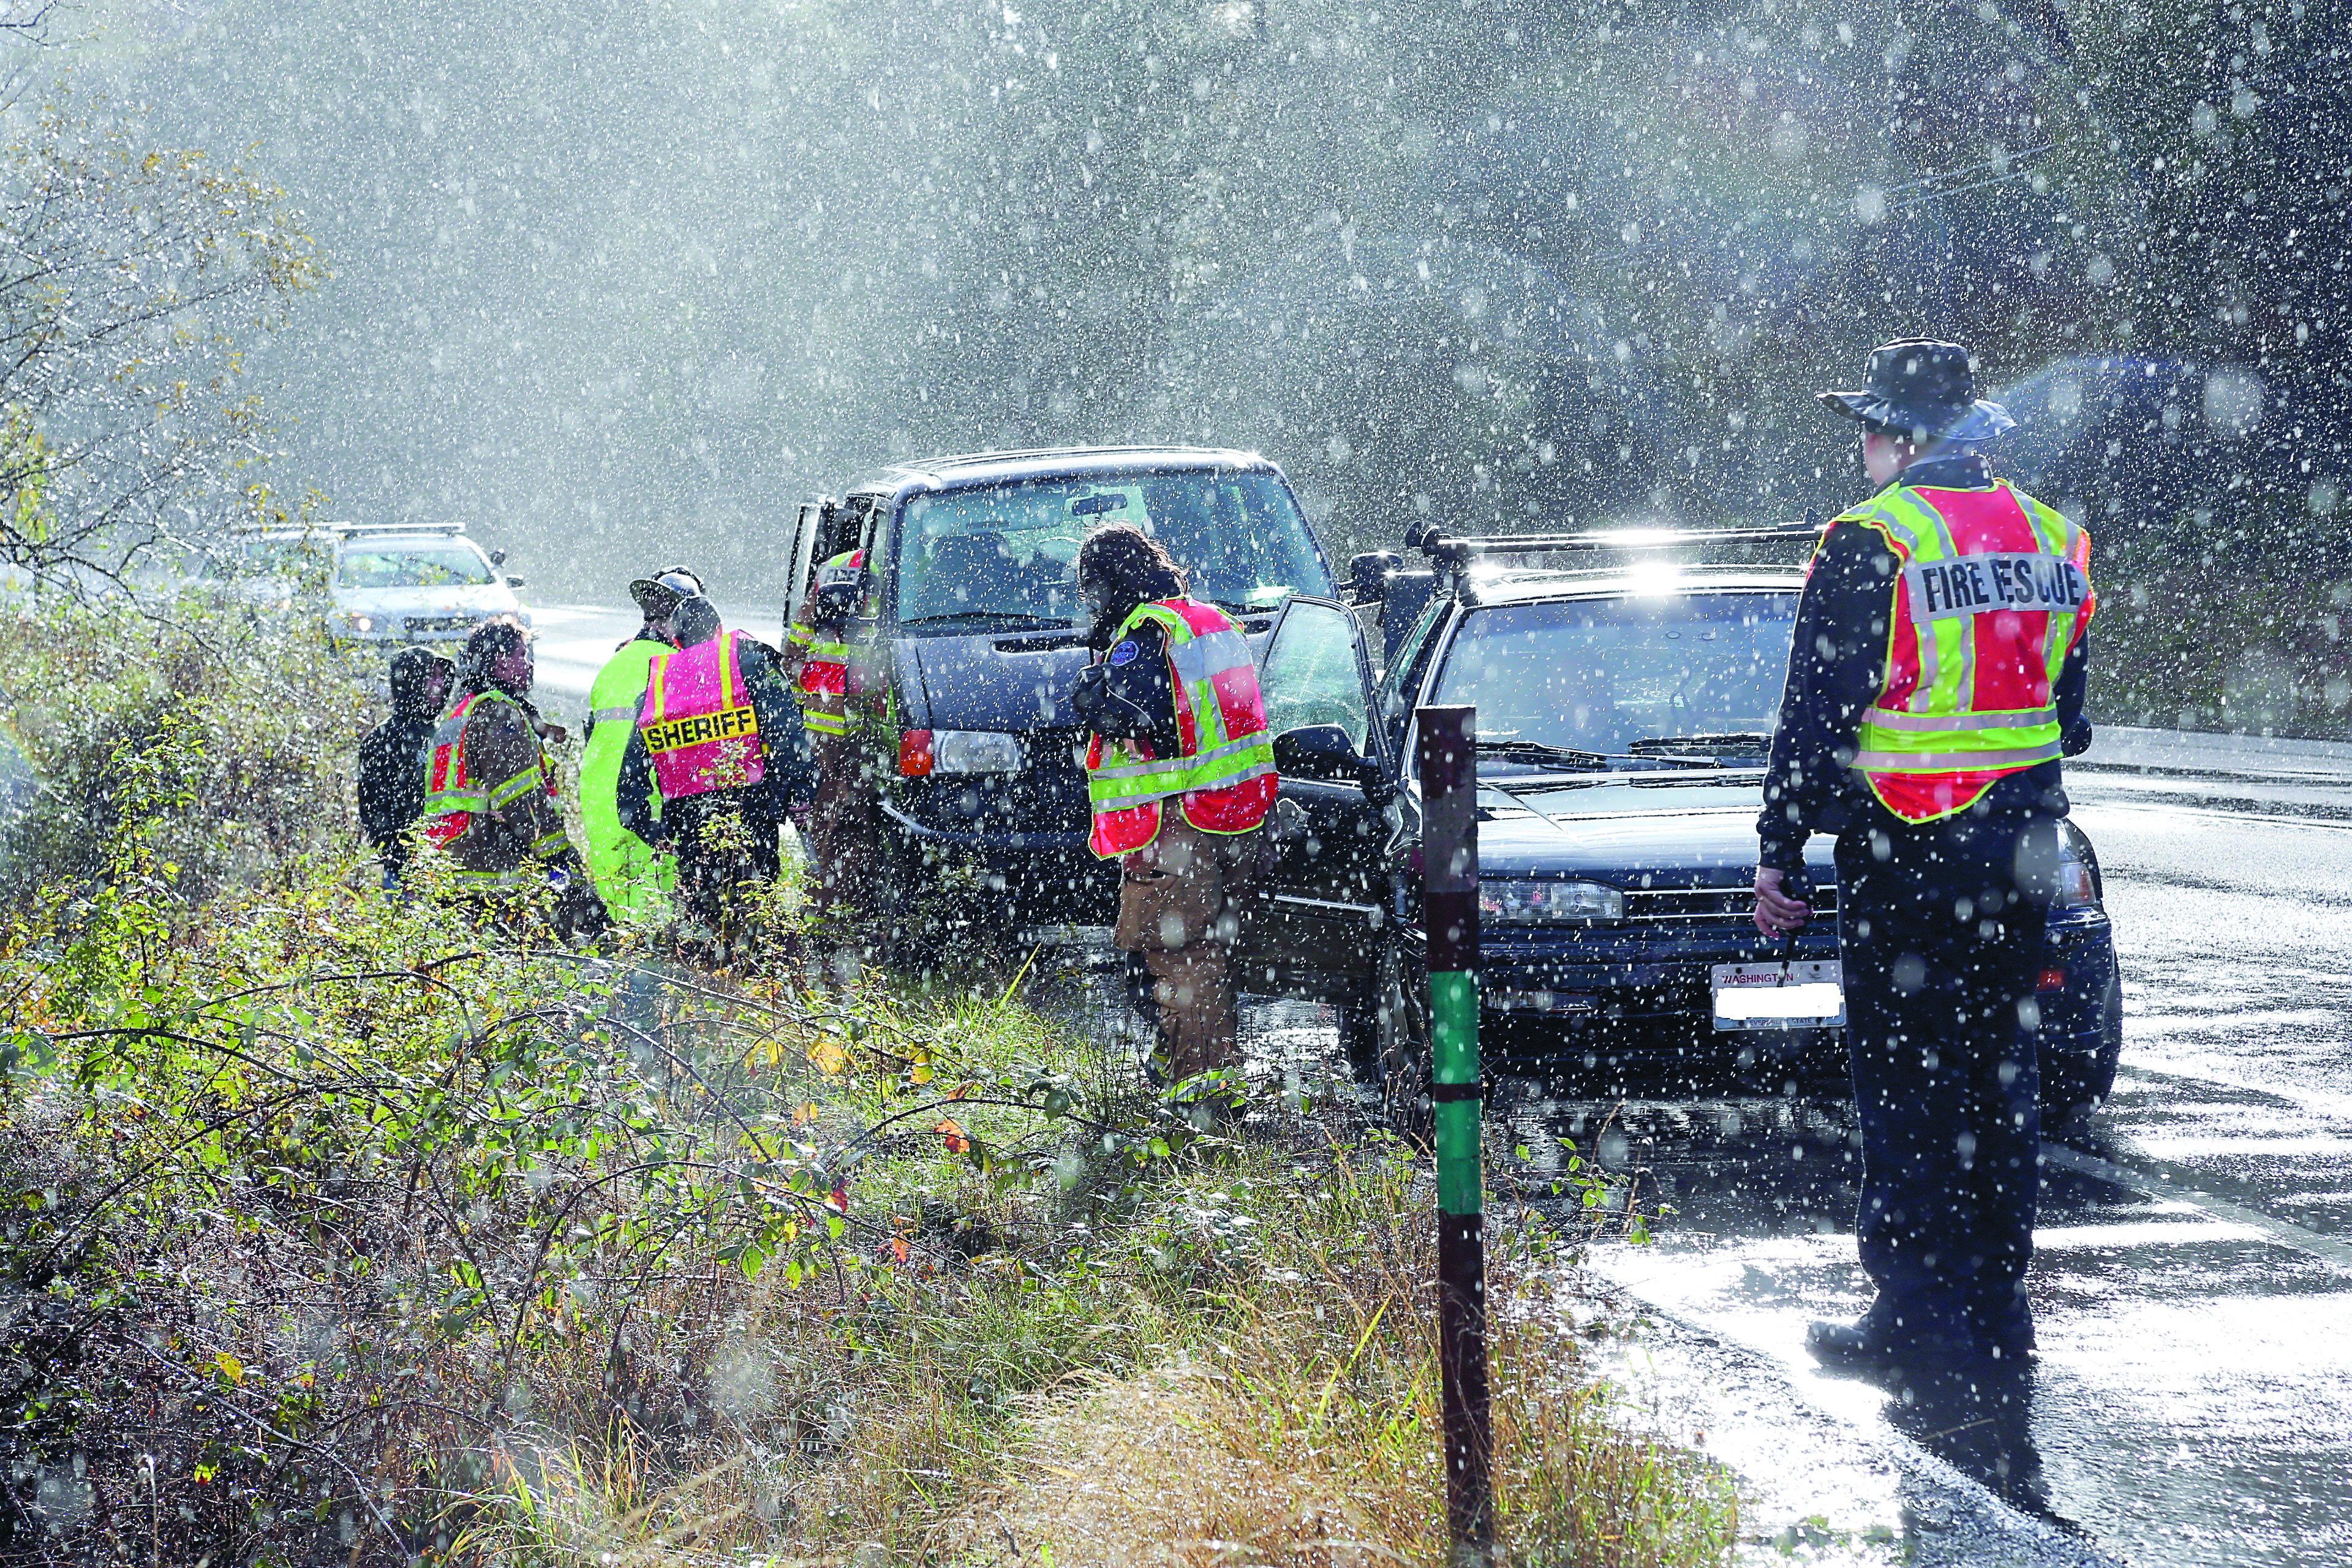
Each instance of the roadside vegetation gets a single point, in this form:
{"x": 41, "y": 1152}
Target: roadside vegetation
{"x": 340, "y": 1230}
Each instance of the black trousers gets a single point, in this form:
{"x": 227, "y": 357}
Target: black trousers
{"x": 725, "y": 839}
{"x": 1941, "y": 928}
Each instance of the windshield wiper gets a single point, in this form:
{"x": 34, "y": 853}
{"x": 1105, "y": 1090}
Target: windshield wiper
{"x": 1663, "y": 747}
{"x": 998, "y": 619}
{"x": 1541, "y": 755}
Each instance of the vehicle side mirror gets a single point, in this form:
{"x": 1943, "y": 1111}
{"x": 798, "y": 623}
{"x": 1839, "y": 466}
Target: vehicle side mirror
{"x": 514, "y": 581}
{"x": 1325, "y": 752}
{"x": 497, "y": 557}
{"x": 1367, "y": 575}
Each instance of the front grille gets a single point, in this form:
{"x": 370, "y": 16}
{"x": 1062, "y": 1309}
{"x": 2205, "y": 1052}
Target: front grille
{"x": 1706, "y": 906}
{"x": 440, "y": 623}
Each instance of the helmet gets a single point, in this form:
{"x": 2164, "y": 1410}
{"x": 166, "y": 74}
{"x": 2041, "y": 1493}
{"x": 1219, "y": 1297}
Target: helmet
{"x": 660, "y": 593}
{"x": 1925, "y": 390}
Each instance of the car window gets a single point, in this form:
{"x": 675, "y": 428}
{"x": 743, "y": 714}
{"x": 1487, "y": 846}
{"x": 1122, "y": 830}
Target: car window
{"x": 1009, "y": 550}
{"x": 1602, "y": 675}
{"x": 414, "y": 566}
{"x": 1389, "y": 700}
{"x": 1311, "y": 675}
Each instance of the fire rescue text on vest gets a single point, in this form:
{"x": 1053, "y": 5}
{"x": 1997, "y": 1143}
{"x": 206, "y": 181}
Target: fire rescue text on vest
{"x": 2005, "y": 580}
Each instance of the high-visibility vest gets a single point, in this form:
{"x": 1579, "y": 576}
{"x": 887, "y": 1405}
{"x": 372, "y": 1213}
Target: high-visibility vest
{"x": 629, "y": 877}
{"x": 824, "y": 687}
{"x": 1223, "y": 769}
{"x": 698, "y": 721}
{"x": 454, "y": 798}
{"x": 1992, "y": 590}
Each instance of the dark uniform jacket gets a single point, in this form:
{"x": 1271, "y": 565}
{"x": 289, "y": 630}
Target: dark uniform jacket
{"x": 790, "y": 778}
{"x": 392, "y": 758}
{"x": 1131, "y": 696}
{"x": 1836, "y": 670}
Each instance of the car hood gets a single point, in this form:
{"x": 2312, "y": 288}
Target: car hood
{"x": 1009, "y": 681}
{"x": 479, "y": 599}
{"x": 1682, "y": 827}
{"x": 1000, "y": 681}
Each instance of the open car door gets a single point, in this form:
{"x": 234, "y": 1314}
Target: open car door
{"x": 1322, "y": 896}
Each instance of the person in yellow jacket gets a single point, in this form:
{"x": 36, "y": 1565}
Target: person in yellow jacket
{"x": 634, "y": 881}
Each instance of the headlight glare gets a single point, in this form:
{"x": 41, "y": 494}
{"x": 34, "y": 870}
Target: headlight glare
{"x": 975, "y": 751}
{"x": 1511, "y": 901}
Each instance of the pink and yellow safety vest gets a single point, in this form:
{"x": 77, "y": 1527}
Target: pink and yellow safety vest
{"x": 1223, "y": 770}
{"x": 698, "y": 722}
{"x": 1992, "y": 590}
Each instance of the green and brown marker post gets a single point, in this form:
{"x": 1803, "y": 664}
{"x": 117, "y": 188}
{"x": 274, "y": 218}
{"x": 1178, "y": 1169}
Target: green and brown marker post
{"x": 1449, "y": 842}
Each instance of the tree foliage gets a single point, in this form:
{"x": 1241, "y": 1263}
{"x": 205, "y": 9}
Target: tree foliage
{"x": 131, "y": 276}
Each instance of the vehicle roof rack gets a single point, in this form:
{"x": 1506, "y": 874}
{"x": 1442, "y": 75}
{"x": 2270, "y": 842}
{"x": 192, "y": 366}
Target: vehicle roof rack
{"x": 1458, "y": 549}
{"x": 348, "y": 529}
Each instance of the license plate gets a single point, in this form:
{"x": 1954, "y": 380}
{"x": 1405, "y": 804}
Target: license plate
{"x": 1808, "y": 995}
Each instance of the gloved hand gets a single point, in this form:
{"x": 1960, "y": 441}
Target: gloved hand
{"x": 1093, "y": 685}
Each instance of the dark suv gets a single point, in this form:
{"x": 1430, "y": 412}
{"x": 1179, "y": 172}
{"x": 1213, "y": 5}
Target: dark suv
{"x": 1624, "y": 718}
{"x": 968, "y": 637}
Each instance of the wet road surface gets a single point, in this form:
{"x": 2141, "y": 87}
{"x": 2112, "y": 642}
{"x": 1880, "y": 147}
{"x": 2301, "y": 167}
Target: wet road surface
{"x": 2193, "y": 1270}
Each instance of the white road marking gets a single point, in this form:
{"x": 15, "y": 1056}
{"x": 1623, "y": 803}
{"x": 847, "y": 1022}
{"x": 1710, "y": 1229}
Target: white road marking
{"x": 2336, "y": 1255}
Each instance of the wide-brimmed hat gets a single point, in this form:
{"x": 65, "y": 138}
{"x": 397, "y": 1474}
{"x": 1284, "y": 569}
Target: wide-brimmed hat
{"x": 659, "y": 593}
{"x": 1922, "y": 389}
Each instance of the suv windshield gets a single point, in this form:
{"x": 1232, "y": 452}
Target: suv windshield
{"x": 1005, "y": 554}
{"x": 414, "y": 566}
{"x": 1618, "y": 677}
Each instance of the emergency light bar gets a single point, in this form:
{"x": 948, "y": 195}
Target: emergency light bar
{"x": 1457, "y": 551}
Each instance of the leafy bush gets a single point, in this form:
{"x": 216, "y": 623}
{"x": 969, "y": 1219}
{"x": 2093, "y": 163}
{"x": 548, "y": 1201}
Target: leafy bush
{"x": 222, "y": 744}
{"x": 339, "y": 1229}
{"x": 2236, "y": 627}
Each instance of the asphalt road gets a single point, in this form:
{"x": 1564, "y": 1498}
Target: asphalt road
{"x": 2193, "y": 1270}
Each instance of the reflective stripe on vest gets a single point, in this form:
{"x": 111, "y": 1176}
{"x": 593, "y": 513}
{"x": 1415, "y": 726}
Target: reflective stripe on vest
{"x": 1992, "y": 590}
{"x": 453, "y": 797}
{"x": 698, "y": 722}
{"x": 1225, "y": 767}
{"x": 823, "y": 686}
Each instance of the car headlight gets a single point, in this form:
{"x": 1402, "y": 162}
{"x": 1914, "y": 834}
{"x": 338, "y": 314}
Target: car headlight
{"x": 1508, "y": 902}
{"x": 975, "y": 751}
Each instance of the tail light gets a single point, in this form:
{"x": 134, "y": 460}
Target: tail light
{"x": 915, "y": 753}
{"x": 2053, "y": 978}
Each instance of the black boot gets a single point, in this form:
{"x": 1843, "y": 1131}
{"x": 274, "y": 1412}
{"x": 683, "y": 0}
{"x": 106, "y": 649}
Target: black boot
{"x": 1890, "y": 1338}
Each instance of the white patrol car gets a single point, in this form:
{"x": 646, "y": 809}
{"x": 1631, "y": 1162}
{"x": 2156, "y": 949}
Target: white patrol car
{"x": 386, "y": 584}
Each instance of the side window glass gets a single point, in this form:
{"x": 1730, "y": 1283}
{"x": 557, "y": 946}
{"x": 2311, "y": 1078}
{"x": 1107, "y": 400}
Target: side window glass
{"x": 1313, "y": 672}
{"x": 1390, "y": 698}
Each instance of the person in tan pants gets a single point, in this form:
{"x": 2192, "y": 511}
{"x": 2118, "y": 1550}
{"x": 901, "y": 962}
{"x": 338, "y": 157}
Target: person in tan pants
{"x": 1179, "y": 911}
{"x": 1180, "y": 773}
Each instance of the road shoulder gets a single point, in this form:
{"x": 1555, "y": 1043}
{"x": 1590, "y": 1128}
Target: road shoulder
{"x": 1815, "y": 1487}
